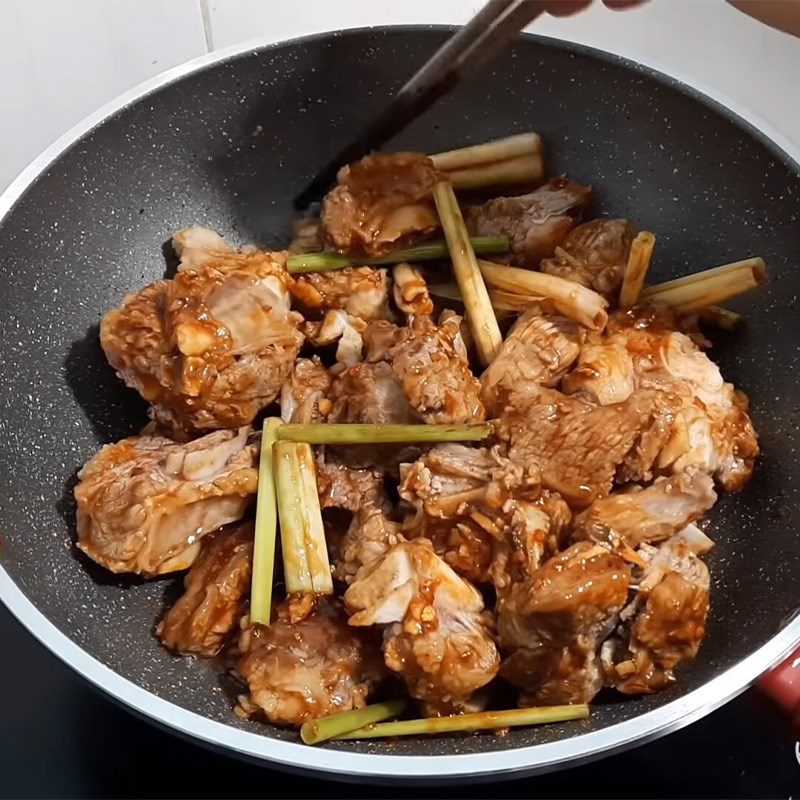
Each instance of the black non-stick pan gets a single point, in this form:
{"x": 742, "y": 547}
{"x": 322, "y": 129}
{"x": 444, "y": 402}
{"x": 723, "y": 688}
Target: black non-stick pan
{"x": 228, "y": 142}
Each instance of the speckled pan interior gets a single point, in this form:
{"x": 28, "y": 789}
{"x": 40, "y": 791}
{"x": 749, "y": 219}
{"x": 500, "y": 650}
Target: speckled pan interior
{"x": 228, "y": 147}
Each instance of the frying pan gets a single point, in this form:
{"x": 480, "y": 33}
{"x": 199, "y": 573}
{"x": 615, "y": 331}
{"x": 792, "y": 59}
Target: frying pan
{"x": 227, "y": 141}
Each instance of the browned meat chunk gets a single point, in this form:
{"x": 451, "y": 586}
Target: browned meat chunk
{"x": 709, "y": 426}
{"x": 604, "y": 374}
{"x": 304, "y": 392}
{"x": 436, "y": 635}
{"x": 594, "y": 254}
{"x": 577, "y": 445}
{"x": 145, "y": 502}
{"x": 651, "y": 514}
{"x": 664, "y": 625}
{"x": 215, "y": 596}
{"x": 309, "y": 668}
{"x": 551, "y": 624}
{"x": 211, "y": 347}
{"x": 430, "y": 362}
{"x": 338, "y": 326}
{"x": 360, "y": 291}
{"x": 537, "y": 351}
{"x": 456, "y": 493}
{"x": 307, "y": 236}
{"x": 370, "y": 535}
{"x": 370, "y": 393}
{"x": 536, "y": 223}
{"x": 347, "y": 487}
{"x": 382, "y": 202}
{"x": 410, "y": 291}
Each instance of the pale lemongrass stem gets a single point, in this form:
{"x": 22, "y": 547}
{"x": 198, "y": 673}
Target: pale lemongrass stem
{"x": 520, "y": 171}
{"x": 320, "y": 730}
{"x": 721, "y": 318}
{"x": 480, "y": 721}
{"x": 478, "y": 307}
{"x": 718, "y": 289}
{"x": 755, "y": 265}
{"x": 297, "y": 574}
{"x": 511, "y": 301}
{"x": 569, "y": 298}
{"x": 449, "y": 291}
{"x": 636, "y": 270}
{"x": 356, "y": 433}
{"x": 497, "y": 150}
{"x": 266, "y": 528}
{"x": 313, "y": 529}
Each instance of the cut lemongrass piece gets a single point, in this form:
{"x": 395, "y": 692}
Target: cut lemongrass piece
{"x": 297, "y": 574}
{"x": 266, "y": 528}
{"x": 755, "y": 266}
{"x": 481, "y": 721}
{"x": 520, "y": 144}
{"x": 694, "y": 295}
{"x": 320, "y": 730}
{"x": 324, "y": 262}
{"x": 569, "y": 298}
{"x": 356, "y": 433}
{"x": 449, "y": 291}
{"x": 520, "y": 171}
{"x": 636, "y": 270}
{"x": 721, "y": 318}
{"x": 480, "y": 314}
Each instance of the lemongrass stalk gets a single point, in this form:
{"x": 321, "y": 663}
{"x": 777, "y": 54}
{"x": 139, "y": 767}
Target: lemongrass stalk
{"x": 721, "y": 318}
{"x": 500, "y": 303}
{"x": 521, "y": 171}
{"x": 316, "y": 548}
{"x": 356, "y": 433}
{"x": 569, "y": 298}
{"x": 320, "y": 730}
{"x": 699, "y": 294}
{"x": 429, "y": 251}
{"x": 265, "y": 529}
{"x": 480, "y": 721}
{"x": 520, "y": 144}
{"x": 755, "y": 266}
{"x": 480, "y": 314}
{"x": 410, "y": 291}
{"x": 636, "y": 270}
{"x": 297, "y": 573}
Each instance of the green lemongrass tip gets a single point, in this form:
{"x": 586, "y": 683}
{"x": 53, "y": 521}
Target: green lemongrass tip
{"x": 481, "y": 721}
{"x": 320, "y": 730}
{"x": 354, "y": 433}
{"x": 265, "y": 529}
{"x": 324, "y": 262}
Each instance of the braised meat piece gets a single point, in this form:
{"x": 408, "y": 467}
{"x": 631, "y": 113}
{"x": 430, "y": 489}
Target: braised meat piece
{"x": 306, "y": 668}
{"x": 537, "y": 351}
{"x": 436, "y": 635}
{"x": 360, "y": 291}
{"x": 215, "y": 597}
{"x": 430, "y": 362}
{"x": 550, "y": 625}
{"x": 604, "y": 373}
{"x": 709, "y": 426}
{"x": 304, "y": 392}
{"x": 536, "y": 223}
{"x": 577, "y": 445}
{"x": 651, "y": 514}
{"x": 665, "y": 624}
{"x": 211, "y": 347}
{"x": 594, "y": 254}
{"x": 381, "y": 203}
{"x": 370, "y": 535}
{"x": 145, "y": 503}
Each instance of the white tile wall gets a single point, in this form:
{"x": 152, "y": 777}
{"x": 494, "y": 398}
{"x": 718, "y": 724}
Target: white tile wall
{"x": 61, "y": 59}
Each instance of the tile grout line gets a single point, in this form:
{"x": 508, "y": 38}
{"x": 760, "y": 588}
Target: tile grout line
{"x": 208, "y": 34}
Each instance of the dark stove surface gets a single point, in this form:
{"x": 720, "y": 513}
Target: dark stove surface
{"x": 58, "y": 738}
